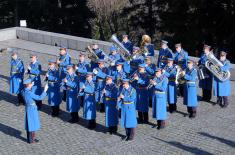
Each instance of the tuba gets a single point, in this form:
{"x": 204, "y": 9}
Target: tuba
{"x": 213, "y": 65}
{"x": 122, "y": 50}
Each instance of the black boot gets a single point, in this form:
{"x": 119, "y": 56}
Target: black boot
{"x": 132, "y": 134}
{"x": 190, "y": 112}
{"x": 92, "y": 124}
{"x": 161, "y": 124}
{"x": 225, "y": 100}
{"x": 194, "y": 112}
{"x": 74, "y": 117}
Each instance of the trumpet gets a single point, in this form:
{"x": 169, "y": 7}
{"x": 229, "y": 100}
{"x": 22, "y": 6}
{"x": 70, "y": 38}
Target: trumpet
{"x": 150, "y": 84}
{"x": 132, "y": 76}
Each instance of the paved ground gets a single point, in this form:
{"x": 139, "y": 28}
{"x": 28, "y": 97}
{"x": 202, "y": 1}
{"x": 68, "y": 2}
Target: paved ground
{"x": 212, "y": 132}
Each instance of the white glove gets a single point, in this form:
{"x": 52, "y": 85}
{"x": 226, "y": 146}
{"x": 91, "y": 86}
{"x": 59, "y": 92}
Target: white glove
{"x": 146, "y": 54}
{"x": 112, "y": 63}
{"x": 46, "y": 88}
{"x": 29, "y": 68}
{"x": 163, "y": 71}
{"x": 95, "y": 71}
{"x": 134, "y": 56}
{"x": 33, "y": 83}
{"x": 76, "y": 68}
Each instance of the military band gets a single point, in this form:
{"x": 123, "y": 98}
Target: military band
{"x": 120, "y": 87}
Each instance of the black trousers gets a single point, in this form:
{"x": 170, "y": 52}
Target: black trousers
{"x": 64, "y": 96}
{"x": 20, "y": 99}
{"x": 172, "y": 108}
{"x": 81, "y": 98}
{"x": 130, "y": 133}
{"x": 143, "y": 117}
{"x": 102, "y": 109}
{"x": 181, "y": 90}
{"x": 206, "y": 94}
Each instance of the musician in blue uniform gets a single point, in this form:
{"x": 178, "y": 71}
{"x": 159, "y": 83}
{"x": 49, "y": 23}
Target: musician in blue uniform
{"x": 180, "y": 59}
{"x": 150, "y": 69}
{"x": 170, "y": 71}
{"x": 159, "y": 88}
{"x": 164, "y": 53}
{"x": 181, "y": 56}
{"x": 100, "y": 54}
{"x": 63, "y": 61}
{"x": 146, "y": 46}
{"x": 190, "y": 89}
{"x": 127, "y": 43}
{"x": 114, "y": 56}
{"x": 118, "y": 74}
{"x": 110, "y": 94}
{"x": 222, "y": 89}
{"x": 89, "y": 105}
{"x": 100, "y": 74}
{"x": 205, "y": 84}
{"x": 34, "y": 71}
{"x": 32, "y": 121}
{"x": 71, "y": 83}
{"x": 16, "y": 77}
{"x": 81, "y": 69}
{"x": 141, "y": 81}
{"x": 136, "y": 59}
{"x": 127, "y": 97}
{"x": 52, "y": 78}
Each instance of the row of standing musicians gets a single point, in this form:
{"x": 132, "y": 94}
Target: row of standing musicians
{"x": 118, "y": 90}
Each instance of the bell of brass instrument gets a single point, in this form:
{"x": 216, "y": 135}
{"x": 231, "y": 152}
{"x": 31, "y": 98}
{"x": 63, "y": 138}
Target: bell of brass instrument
{"x": 213, "y": 65}
{"x": 122, "y": 50}
{"x": 179, "y": 76}
{"x": 92, "y": 54}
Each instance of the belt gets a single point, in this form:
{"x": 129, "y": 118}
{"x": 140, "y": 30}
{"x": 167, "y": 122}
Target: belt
{"x": 127, "y": 102}
{"x": 32, "y": 74}
{"x": 171, "y": 80}
{"x": 190, "y": 82}
{"x": 89, "y": 94}
{"x": 100, "y": 79}
{"x": 52, "y": 81}
{"x": 110, "y": 99}
{"x": 159, "y": 92}
{"x": 14, "y": 72}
